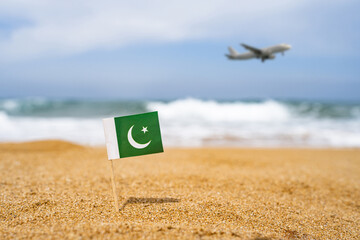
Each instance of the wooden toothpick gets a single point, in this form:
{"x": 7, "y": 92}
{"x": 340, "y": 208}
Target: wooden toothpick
{"x": 114, "y": 187}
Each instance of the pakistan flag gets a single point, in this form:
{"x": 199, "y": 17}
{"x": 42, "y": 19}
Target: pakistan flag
{"x": 132, "y": 135}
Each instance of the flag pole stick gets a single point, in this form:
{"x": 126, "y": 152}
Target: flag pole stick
{"x": 113, "y": 186}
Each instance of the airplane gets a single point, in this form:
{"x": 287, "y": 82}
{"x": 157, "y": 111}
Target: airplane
{"x": 263, "y": 54}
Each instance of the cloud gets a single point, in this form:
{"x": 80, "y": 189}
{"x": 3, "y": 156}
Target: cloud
{"x": 57, "y": 28}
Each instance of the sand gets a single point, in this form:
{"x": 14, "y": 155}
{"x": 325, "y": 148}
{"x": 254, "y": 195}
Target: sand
{"x": 57, "y": 190}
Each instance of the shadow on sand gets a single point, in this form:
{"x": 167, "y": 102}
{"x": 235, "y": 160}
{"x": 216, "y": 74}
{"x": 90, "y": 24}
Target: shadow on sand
{"x": 134, "y": 200}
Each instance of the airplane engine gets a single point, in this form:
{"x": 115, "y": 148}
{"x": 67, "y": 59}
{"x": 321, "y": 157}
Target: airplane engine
{"x": 270, "y": 56}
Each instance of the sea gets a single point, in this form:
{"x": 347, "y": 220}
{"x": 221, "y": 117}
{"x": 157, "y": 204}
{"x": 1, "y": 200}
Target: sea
{"x": 189, "y": 122}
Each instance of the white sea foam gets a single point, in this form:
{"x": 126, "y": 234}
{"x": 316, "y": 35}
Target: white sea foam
{"x": 191, "y": 110}
{"x": 194, "y": 122}
{"x": 83, "y": 131}
{"x": 10, "y": 104}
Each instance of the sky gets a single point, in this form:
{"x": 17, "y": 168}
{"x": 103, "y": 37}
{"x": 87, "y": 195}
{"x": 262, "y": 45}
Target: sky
{"x": 175, "y": 49}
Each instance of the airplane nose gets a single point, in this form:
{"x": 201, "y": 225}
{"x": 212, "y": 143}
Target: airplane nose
{"x": 288, "y": 46}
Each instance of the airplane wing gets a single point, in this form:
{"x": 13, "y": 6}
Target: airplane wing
{"x": 254, "y": 50}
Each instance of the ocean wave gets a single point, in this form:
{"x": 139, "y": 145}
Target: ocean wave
{"x": 190, "y": 110}
{"x": 262, "y": 111}
{"x": 194, "y": 122}
{"x": 188, "y": 122}
{"x": 41, "y": 107}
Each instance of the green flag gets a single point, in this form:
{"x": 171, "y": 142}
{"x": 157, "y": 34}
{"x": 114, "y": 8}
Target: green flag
{"x": 132, "y": 135}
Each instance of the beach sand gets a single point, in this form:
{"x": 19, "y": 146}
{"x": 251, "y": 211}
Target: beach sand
{"x": 55, "y": 189}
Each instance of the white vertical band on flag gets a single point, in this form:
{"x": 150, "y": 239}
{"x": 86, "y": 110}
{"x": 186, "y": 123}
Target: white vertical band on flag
{"x": 111, "y": 138}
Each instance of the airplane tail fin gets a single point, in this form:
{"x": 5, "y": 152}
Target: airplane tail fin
{"x": 232, "y": 51}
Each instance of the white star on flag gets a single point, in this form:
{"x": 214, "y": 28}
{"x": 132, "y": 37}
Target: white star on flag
{"x": 144, "y": 129}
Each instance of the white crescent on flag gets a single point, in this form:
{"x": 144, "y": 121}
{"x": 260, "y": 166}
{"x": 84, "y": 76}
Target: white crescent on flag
{"x": 134, "y": 143}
